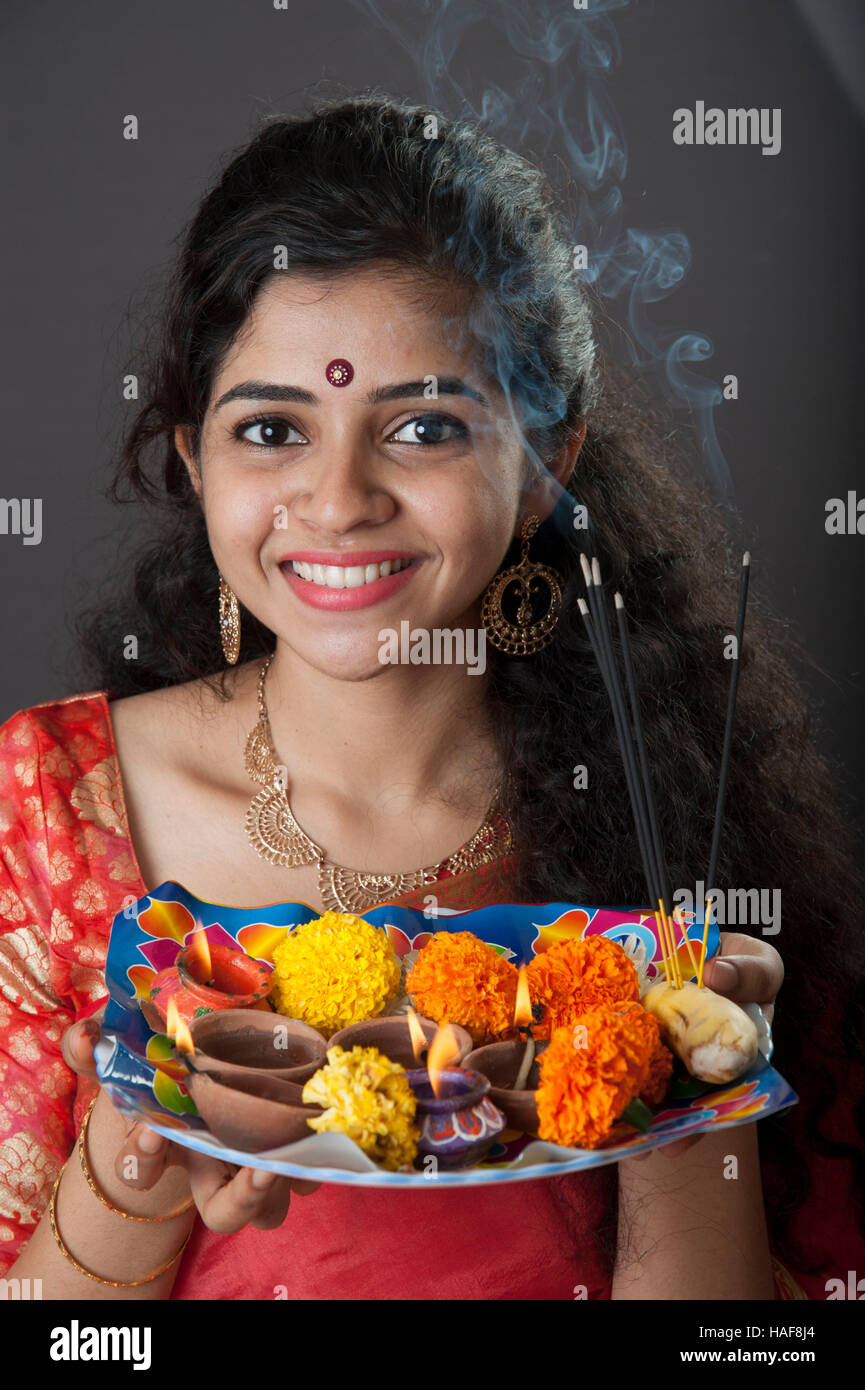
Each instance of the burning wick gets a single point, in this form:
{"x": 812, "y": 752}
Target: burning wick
{"x": 419, "y": 1045}
{"x": 443, "y": 1051}
{"x": 523, "y": 1021}
{"x": 198, "y": 958}
{"x": 176, "y": 1028}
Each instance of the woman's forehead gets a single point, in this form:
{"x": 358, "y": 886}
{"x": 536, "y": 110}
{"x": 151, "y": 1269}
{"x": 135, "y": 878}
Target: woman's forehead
{"x": 388, "y": 326}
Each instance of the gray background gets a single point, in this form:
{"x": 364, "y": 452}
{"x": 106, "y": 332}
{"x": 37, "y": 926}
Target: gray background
{"x": 774, "y": 282}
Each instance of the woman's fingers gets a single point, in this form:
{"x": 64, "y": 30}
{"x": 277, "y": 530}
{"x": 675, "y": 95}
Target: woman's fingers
{"x": 78, "y": 1043}
{"x": 275, "y": 1202}
{"x": 143, "y": 1157}
{"x": 302, "y": 1187}
{"x": 746, "y": 970}
{"x": 229, "y": 1199}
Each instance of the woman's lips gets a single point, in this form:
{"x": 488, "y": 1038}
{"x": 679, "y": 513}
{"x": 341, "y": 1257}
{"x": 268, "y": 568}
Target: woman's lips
{"x": 345, "y": 600}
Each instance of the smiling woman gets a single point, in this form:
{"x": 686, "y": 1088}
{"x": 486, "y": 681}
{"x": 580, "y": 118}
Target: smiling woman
{"x": 377, "y": 387}
{"x": 373, "y": 475}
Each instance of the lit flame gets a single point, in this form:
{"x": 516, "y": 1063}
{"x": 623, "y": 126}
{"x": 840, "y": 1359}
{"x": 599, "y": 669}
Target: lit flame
{"x": 176, "y": 1028}
{"x": 443, "y": 1050}
{"x": 418, "y": 1037}
{"x": 523, "y": 1016}
{"x": 198, "y": 957}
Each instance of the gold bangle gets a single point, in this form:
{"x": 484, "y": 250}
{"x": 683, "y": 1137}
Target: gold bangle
{"x": 91, "y": 1181}
{"x": 113, "y": 1283}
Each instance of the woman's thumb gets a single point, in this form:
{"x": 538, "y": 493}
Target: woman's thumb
{"x": 79, "y": 1042}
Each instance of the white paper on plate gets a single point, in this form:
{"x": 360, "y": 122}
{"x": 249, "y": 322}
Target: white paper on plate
{"x": 338, "y": 1151}
{"x": 324, "y": 1151}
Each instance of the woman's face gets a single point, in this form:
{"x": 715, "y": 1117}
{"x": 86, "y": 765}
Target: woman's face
{"x": 337, "y": 511}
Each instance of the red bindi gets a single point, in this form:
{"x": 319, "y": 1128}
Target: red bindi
{"x": 339, "y": 372}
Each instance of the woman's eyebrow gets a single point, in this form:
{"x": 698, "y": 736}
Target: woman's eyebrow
{"x": 444, "y": 386}
{"x": 275, "y": 391}
{"x": 266, "y": 391}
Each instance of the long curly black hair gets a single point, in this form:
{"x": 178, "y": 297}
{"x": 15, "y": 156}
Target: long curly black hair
{"x": 372, "y": 181}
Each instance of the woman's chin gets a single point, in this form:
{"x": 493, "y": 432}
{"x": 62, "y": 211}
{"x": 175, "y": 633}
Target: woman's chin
{"x": 342, "y": 665}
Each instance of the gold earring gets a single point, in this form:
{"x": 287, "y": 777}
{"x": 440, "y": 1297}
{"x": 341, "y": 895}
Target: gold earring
{"x": 524, "y": 637}
{"x": 229, "y": 622}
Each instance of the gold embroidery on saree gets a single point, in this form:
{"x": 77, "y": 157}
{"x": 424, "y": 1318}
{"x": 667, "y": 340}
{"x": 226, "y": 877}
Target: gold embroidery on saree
{"x": 25, "y": 977}
{"x": 27, "y": 1171}
{"x": 96, "y": 798}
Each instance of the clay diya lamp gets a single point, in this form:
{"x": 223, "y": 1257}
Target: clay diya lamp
{"x": 250, "y": 1112}
{"x": 394, "y": 1038}
{"x": 500, "y": 1063}
{"x": 248, "y": 1042}
{"x": 458, "y": 1122}
{"x": 207, "y": 977}
{"x": 511, "y": 1065}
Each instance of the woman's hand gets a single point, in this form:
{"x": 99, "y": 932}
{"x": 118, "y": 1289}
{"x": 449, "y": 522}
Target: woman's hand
{"x": 748, "y": 971}
{"x": 227, "y": 1197}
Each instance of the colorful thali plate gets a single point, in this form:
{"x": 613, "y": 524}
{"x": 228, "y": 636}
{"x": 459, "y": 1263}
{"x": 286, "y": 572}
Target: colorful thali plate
{"x": 137, "y": 1068}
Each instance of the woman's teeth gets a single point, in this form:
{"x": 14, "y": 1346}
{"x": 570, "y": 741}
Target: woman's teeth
{"x": 350, "y": 577}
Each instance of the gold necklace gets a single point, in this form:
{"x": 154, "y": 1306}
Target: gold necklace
{"x": 276, "y": 836}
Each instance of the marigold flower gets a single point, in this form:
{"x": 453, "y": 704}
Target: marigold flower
{"x": 457, "y": 978}
{"x": 657, "y": 1082}
{"x": 335, "y": 970}
{"x": 584, "y": 1088}
{"x": 577, "y": 974}
{"x": 367, "y": 1097}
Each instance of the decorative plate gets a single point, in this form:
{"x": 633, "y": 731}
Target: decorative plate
{"x": 137, "y": 1067}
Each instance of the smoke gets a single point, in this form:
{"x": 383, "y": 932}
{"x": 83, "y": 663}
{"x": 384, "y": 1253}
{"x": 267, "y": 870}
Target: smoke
{"x": 551, "y": 102}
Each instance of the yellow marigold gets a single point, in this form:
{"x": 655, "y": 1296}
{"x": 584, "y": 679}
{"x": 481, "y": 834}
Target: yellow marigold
{"x": 578, "y": 974}
{"x": 333, "y": 971}
{"x": 588, "y": 1079}
{"x": 368, "y": 1097}
{"x": 457, "y": 978}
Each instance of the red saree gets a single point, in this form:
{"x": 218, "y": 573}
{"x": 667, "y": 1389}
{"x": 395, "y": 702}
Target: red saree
{"x": 66, "y": 867}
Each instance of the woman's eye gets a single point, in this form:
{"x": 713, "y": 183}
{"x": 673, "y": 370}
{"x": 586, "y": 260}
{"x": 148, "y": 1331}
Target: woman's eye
{"x": 272, "y": 432}
{"x": 430, "y": 429}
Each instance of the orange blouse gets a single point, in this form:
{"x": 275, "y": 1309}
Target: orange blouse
{"x": 67, "y": 866}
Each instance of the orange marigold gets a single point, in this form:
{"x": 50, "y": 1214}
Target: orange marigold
{"x": 588, "y": 1079}
{"x": 657, "y": 1082}
{"x": 457, "y": 978}
{"x": 578, "y": 974}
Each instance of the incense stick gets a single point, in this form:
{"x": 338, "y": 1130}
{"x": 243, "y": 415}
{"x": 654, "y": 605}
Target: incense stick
{"x": 640, "y": 741}
{"x": 744, "y": 578}
{"x": 609, "y": 675}
{"x": 614, "y": 689}
{"x": 592, "y": 575}
{"x": 601, "y": 660}
{"x": 651, "y": 804}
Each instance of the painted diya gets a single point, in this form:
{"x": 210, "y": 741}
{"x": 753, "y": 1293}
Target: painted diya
{"x": 458, "y": 1122}
{"x": 206, "y": 977}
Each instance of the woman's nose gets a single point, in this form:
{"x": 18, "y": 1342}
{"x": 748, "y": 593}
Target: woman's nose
{"x": 343, "y": 489}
